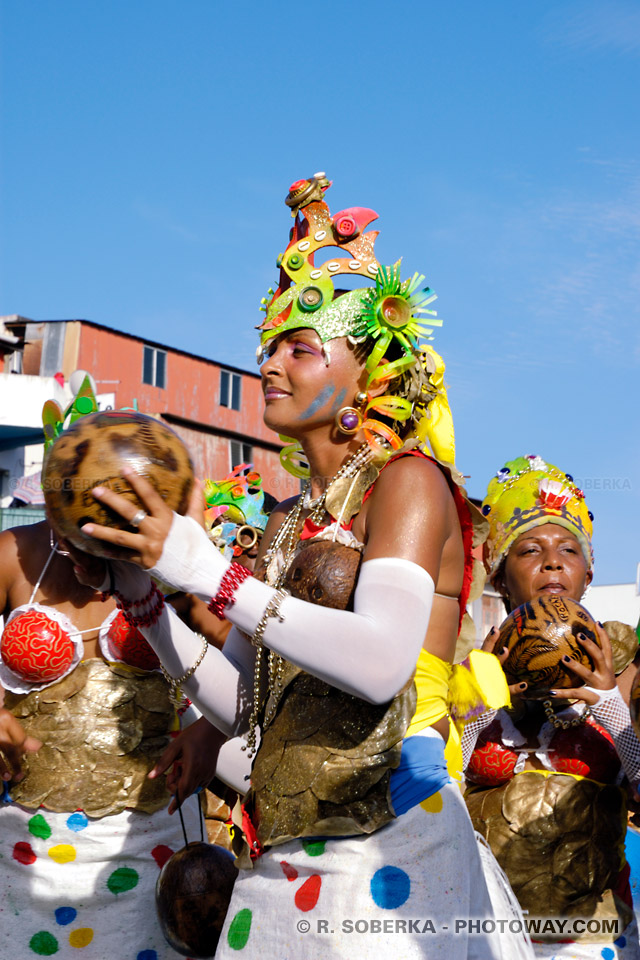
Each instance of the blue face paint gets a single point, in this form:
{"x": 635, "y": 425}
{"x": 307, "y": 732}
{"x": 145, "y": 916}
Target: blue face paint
{"x": 323, "y": 397}
{"x": 339, "y": 400}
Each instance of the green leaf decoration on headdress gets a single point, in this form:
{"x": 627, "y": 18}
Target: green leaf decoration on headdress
{"x": 391, "y": 312}
{"x": 54, "y": 421}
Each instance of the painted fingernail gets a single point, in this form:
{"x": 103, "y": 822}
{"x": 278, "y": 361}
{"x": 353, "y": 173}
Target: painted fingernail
{"x": 493, "y": 630}
{"x": 552, "y": 693}
{"x": 566, "y": 659}
{"x": 599, "y": 624}
{"x": 522, "y": 686}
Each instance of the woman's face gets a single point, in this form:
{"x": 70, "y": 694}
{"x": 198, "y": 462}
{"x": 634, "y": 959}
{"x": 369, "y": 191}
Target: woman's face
{"x": 301, "y": 392}
{"x": 545, "y": 561}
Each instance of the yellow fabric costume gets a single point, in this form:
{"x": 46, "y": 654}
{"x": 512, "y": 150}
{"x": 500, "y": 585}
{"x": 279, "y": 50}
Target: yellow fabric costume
{"x": 461, "y": 691}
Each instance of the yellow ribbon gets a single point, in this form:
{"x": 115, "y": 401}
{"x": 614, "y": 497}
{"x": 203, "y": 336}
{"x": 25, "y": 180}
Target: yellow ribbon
{"x": 436, "y": 424}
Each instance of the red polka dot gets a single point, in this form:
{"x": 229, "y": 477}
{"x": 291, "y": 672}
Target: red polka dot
{"x": 307, "y": 896}
{"x": 161, "y": 854}
{"x": 290, "y": 872}
{"x": 23, "y": 853}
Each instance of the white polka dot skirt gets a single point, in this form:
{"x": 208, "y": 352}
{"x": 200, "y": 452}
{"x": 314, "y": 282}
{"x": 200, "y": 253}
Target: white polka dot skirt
{"x": 81, "y": 888}
{"x": 407, "y": 891}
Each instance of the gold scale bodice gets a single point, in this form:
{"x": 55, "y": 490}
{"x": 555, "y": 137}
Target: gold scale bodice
{"x": 102, "y": 728}
{"x": 325, "y": 760}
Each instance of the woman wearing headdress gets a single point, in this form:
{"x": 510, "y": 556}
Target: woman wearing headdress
{"x": 352, "y": 815}
{"x": 545, "y": 776}
{"x": 86, "y": 714}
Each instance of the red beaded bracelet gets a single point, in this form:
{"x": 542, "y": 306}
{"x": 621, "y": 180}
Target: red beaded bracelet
{"x": 125, "y": 604}
{"x": 228, "y": 586}
{"x": 146, "y": 619}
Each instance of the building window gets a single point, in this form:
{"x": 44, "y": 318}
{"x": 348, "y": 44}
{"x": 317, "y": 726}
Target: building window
{"x": 239, "y": 453}
{"x": 230, "y": 389}
{"x": 154, "y": 367}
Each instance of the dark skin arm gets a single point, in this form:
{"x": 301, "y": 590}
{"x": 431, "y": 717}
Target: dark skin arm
{"x": 14, "y": 742}
{"x": 194, "y": 612}
{"x": 191, "y": 759}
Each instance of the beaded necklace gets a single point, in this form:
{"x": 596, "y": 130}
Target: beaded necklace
{"x": 564, "y": 724}
{"x": 286, "y": 539}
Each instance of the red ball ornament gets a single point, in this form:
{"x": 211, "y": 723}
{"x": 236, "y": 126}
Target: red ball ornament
{"x": 128, "y": 644}
{"x": 36, "y": 648}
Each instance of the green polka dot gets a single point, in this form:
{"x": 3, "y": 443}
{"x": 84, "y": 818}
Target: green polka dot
{"x": 314, "y": 848}
{"x": 44, "y": 944}
{"x": 38, "y": 827}
{"x": 122, "y": 879}
{"x": 239, "y": 930}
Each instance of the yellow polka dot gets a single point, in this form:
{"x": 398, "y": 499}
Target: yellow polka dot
{"x": 81, "y": 938}
{"x": 432, "y": 804}
{"x": 63, "y": 853}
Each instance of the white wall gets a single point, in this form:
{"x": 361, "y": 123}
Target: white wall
{"x": 21, "y": 401}
{"x": 617, "y": 601}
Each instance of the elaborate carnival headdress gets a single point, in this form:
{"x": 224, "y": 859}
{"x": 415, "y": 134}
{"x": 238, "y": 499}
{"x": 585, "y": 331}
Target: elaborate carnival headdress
{"x": 55, "y": 420}
{"x": 391, "y": 317}
{"x": 526, "y": 493}
{"x": 237, "y": 510}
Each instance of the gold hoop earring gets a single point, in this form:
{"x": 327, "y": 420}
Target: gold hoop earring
{"x": 348, "y": 420}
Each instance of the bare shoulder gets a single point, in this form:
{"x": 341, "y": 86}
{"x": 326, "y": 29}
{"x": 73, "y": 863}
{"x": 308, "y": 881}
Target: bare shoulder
{"x": 410, "y": 514}
{"x": 14, "y": 546}
{"x": 412, "y": 480}
{"x": 9, "y": 540}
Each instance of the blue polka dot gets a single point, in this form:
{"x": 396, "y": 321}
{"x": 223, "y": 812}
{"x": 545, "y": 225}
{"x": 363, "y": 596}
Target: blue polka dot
{"x": 607, "y": 954}
{"x": 620, "y": 942}
{"x": 65, "y": 915}
{"x": 390, "y": 887}
{"x": 77, "y": 822}
{"x": 147, "y": 955}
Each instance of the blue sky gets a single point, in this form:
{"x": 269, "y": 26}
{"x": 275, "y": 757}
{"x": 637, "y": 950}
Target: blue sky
{"x": 148, "y": 146}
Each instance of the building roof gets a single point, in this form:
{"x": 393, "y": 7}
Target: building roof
{"x": 20, "y": 321}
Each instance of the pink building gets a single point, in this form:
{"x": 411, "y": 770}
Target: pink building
{"x": 216, "y": 409}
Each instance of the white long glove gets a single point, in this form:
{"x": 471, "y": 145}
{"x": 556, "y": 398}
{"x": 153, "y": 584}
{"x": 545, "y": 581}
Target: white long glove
{"x": 222, "y": 686}
{"x": 370, "y": 653}
{"x": 612, "y": 713}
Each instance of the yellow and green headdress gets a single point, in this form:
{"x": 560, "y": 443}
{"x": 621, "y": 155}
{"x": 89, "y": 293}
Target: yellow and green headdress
{"x": 55, "y": 420}
{"x": 392, "y": 315}
{"x": 237, "y": 510}
{"x": 526, "y": 493}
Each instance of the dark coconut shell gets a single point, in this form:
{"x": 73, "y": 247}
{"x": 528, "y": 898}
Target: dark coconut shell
{"x": 324, "y": 573}
{"x": 192, "y": 897}
{"x": 92, "y": 452}
{"x": 538, "y": 634}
